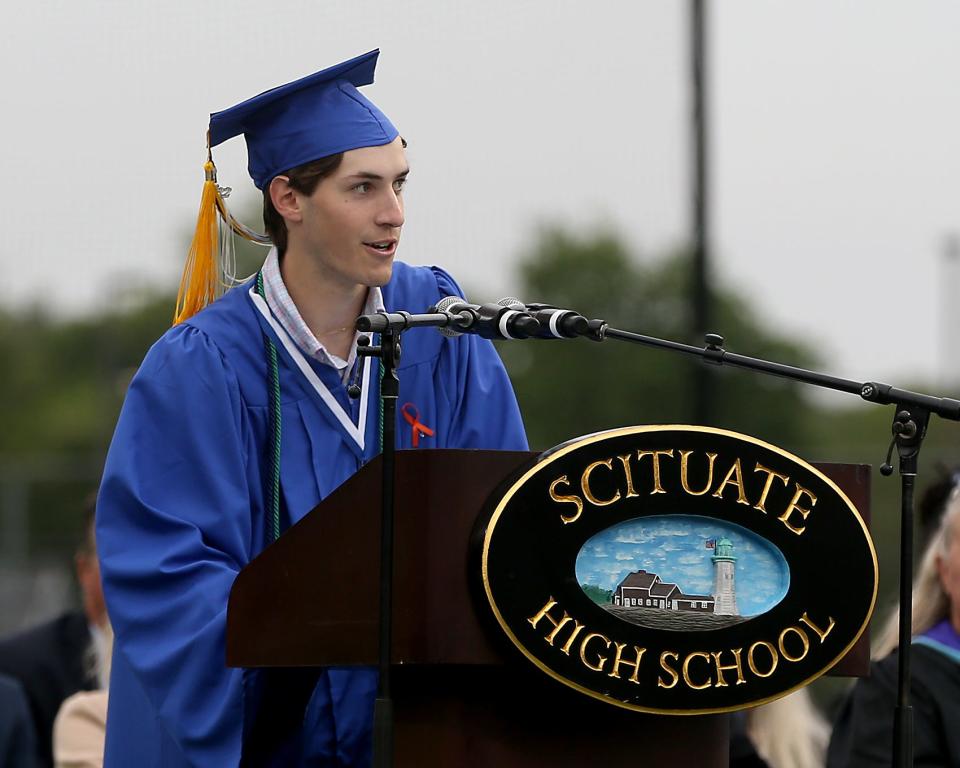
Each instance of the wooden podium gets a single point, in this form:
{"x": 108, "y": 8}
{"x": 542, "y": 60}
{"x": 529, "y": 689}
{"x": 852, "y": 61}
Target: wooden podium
{"x": 462, "y": 694}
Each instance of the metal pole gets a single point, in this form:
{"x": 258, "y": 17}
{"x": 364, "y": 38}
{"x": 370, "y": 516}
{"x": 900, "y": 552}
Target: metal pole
{"x": 949, "y": 313}
{"x": 383, "y": 705}
{"x": 903, "y": 712}
{"x": 703, "y": 376}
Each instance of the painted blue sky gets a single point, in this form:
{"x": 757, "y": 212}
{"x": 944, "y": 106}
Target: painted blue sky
{"x": 673, "y": 547}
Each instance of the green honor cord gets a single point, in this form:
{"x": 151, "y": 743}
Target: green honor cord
{"x": 273, "y": 386}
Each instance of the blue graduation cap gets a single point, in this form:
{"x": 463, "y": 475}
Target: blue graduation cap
{"x": 313, "y": 117}
{"x": 317, "y": 116}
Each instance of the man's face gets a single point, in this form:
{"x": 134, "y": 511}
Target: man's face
{"x": 351, "y": 223}
{"x": 88, "y": 575}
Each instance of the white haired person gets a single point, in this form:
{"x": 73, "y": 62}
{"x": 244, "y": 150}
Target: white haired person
{"x": 863, "y": 733}
{"x": 81, "y": 724}
{"x": 786, "y": 733}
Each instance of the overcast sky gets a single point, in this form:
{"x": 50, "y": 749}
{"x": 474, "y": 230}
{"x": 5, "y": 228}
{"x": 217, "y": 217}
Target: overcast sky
{"x": 835, "y": 144}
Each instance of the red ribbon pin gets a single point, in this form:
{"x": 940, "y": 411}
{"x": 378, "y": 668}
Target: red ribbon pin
{"x": 417, "y": 428}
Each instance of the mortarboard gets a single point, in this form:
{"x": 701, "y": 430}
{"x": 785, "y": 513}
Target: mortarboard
{"x": 313, "y": 117}
{"x": 316, "y": 116}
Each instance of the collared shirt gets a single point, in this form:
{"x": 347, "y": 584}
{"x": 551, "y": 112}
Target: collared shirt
{"x": 289, "y": 317}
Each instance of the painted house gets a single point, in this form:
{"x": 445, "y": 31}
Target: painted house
{"x": 641, "y": 589}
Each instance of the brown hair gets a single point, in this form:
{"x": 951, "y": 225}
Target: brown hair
{"x": 304, "y": 179}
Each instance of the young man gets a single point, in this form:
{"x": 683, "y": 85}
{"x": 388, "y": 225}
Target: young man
{"x": 190, "y": 493}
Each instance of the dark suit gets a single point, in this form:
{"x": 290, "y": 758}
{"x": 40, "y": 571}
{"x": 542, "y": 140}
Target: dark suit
{"x": 17, "y": 741}
{"x": 863, "y": 734}
{"x": 48, "y": 661}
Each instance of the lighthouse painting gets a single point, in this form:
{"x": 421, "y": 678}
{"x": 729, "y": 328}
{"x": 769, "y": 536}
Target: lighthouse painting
{"x": 724, "y": 577}
{"x": 682, "y": 572}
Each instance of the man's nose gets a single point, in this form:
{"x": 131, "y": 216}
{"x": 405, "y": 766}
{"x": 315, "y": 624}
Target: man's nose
{"x": 391, "y": 213}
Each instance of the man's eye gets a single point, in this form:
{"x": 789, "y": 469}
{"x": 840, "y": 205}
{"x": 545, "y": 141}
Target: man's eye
{"x": 362, "y": 187}
{"x": 399, "y": 184}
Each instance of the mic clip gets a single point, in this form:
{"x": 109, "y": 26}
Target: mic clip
{"x": 364, "y": 349}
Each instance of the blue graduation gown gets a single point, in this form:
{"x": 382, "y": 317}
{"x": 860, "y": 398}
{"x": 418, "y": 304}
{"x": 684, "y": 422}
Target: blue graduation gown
{"x": 182, "y": 509}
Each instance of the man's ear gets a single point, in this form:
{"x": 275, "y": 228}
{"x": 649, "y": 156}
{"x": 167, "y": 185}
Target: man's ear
{"x": 285, "y": 199}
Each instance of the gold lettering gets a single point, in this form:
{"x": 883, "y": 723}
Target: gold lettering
{"x": 669, "y": 670}
{"x": 617, "y": 661}
{"x": 734, "y": 477}
{"x": 684, "y": 461}
{"x": 774, "y": 659}
{"x": 544, "y": 612}
{"x": 795, "y": 505}
{"x": 565, "y": 499}
{"x": 569, "y": 644}
{"x": 585, "y": 484}
{"x": 721, "y": 668}
{"x": 601, "y": 660}
{"x": 821, "y": 633}
{"x": 803, "y": 639}
{"x": 557, "y": 627}
{"x": 625, "y": 460}
{"x": 657, "y": 487}
{"x": 686, "y": 670}
{"x": 761, "y": 505}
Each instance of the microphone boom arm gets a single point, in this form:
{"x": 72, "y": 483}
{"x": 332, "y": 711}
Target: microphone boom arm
{"x": 912, "y": 412}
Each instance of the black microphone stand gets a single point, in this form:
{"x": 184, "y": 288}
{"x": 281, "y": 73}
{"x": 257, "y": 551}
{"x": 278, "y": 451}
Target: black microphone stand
{"x": 912, "y": 414}
{"x": 388, "y": 351}
{"x": 389, "y": 326}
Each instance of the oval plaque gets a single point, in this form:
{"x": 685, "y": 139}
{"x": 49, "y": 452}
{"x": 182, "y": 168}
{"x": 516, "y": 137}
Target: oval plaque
{"x": 677, "y": 569}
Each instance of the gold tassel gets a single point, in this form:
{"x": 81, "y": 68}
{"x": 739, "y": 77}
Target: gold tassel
{"x": 200, "y": 283}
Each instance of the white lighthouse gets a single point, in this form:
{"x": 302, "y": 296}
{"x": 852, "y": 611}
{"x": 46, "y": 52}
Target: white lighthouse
{"x": 724, "y": 579}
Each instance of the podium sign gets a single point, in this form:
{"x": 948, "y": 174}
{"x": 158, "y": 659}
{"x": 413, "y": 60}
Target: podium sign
{"x": 677, "y": 569}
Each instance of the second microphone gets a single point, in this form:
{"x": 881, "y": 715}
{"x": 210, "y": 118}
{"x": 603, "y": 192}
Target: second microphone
{"x": 506, "y": 319}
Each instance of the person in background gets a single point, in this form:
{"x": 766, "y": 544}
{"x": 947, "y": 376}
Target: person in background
{"x": 18, "y": 748}
{"x": 743, "y": 752}
{"x": 252, "y": 409}
{"x": 80, "y": 729}
{"x": 933, "y": 502}
{"x": 58, "y": 658}
{"x": 863, "y": 733}
{"x": 789, "y": 732}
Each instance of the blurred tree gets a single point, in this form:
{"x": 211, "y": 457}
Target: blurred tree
{"x": 65, "y": 381}
{"x": 576, "y": 387}
{"x": 67, "y": 377}
{"x": 572, "y": 388}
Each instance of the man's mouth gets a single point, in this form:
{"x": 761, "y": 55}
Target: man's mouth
{"x": 385, "y": 247}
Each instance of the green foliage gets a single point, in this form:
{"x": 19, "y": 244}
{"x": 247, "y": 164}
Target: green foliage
{"x": 66, "y": 379}
{"x": 64, "y": 383}
{"x": 570, "y": 388}
{"x": 599, "y": 595}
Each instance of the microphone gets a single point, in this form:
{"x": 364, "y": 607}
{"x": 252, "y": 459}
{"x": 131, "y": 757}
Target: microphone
{"x": 459, "y": 313}
{"x": 506, "y": 319}
{"x": 556, "y": 323}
